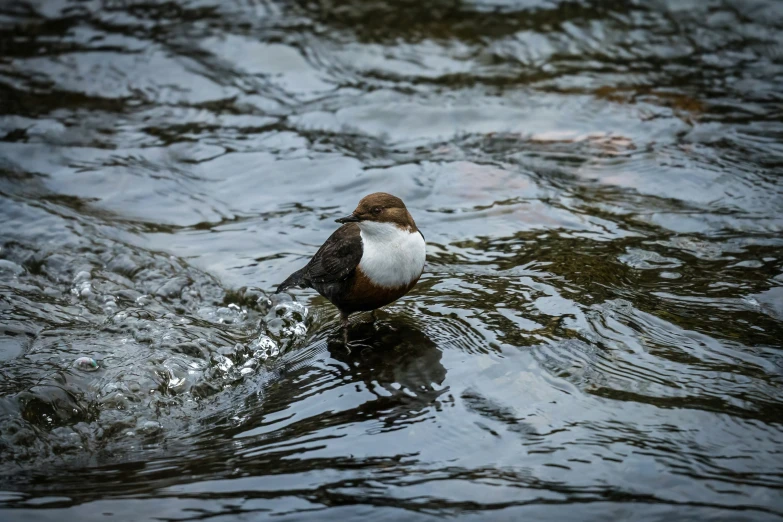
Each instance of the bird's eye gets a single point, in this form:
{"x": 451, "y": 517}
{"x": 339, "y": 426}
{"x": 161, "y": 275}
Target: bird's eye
{"x": 377, "y": 210}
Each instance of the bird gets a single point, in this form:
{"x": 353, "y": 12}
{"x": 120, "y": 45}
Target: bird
{"x": 375, "y": 257}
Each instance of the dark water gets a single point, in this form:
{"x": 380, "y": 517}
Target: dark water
{"x": 597, "y": 335}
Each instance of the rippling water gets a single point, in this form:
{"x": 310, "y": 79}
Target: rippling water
{"x": 597, "y": 335}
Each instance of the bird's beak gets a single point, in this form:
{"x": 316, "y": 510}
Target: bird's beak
{"x": 353, "y": 218}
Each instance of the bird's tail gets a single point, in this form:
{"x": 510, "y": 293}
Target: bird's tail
{"x": 295, "y": 279}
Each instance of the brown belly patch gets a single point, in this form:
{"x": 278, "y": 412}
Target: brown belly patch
{"x": 362, "y": 295}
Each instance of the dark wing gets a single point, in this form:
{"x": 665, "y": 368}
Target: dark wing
{"x": 338, "y": 257}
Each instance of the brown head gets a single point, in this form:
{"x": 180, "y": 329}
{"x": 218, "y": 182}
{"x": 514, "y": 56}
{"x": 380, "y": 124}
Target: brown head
{"x": 381, "y": 208}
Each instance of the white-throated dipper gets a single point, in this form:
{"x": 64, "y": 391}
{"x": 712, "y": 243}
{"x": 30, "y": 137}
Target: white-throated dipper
{"x": 375, "y": 258}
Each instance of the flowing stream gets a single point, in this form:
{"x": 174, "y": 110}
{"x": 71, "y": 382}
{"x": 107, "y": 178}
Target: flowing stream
{"x": 598, "y": 334}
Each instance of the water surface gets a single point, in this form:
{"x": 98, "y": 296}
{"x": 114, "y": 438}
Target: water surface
{"x": 597, "y": 335}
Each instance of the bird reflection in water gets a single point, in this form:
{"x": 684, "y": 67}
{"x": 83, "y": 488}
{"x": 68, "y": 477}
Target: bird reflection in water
{"x": 397, "y": 363}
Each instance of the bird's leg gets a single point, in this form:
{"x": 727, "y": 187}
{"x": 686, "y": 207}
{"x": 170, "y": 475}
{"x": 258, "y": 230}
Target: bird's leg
{"x": 344, "y": 319}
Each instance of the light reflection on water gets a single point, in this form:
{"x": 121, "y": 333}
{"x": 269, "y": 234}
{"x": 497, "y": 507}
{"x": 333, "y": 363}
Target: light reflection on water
{"x": 599, "y": 322}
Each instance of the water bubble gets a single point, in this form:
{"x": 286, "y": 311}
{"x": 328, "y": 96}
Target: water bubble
{"x": 264, "y": 304}
{"x": 149, "y": 427}
{"x": 109, "y": 305}
{"x": 285, "y": 307}
{"x": 276, "y": 299}
{"x": 275, "y": 326}
{"x": 224, "y": 364}
{"x": 263, "y": 347}
{"x": 286, "y": 320}
{"x": 230, "y": 314}
{"x": 81, "y": 277}
{"x": 82, "y": 288}
{"x": 86, "y": 364}
{"x": 297, "y": 330}
{"x": 237, "y": 353}
{"x": 177, "y": 372}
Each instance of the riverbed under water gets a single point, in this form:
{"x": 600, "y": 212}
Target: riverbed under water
{"x": 598, "y": 332}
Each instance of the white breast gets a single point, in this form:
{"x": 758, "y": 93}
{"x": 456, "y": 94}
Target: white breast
{"x": 392, "y": 257}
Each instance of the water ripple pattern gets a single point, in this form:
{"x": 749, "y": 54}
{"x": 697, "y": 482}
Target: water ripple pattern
{"x": 597, "y": 334}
